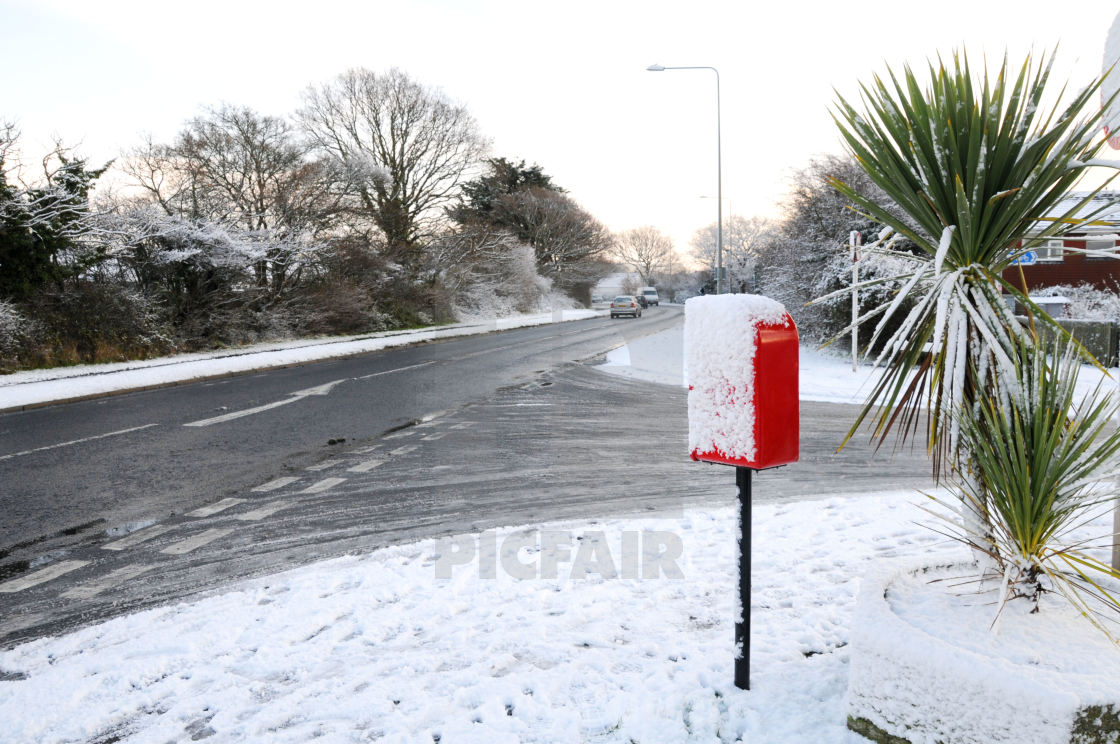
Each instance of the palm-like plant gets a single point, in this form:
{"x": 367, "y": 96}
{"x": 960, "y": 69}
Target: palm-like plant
{"x": 1035, "y": 459}
{"x": 972, "y": 171}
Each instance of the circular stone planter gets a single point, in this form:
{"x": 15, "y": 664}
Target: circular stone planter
{"x": 927, "y": 666}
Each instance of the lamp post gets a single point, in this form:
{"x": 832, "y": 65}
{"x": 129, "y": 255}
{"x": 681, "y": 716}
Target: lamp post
{"x": 719, "y": 173}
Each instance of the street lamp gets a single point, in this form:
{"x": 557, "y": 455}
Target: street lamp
{"x": 719, "y": 174}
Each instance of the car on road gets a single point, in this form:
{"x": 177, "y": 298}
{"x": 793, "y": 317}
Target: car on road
{"x": 625, "y": 305}
{"x": 641, "y": 301}
{"x": 649, "y": 294}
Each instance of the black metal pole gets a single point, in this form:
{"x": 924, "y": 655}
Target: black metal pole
{"x": 743, "y": 622}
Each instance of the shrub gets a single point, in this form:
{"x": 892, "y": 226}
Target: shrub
{"x": 94, "y": 322}
{"x": 1086, "y": 301}
{"x": 14, "y": 328}
{"x": 504, "y": 284}
{"x": 343, "y": 308}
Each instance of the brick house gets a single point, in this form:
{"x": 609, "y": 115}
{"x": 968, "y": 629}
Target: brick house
{"x": 1086, "y": 256}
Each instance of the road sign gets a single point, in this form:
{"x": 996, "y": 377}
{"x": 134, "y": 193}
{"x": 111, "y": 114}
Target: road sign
{"x": 1030, "y": 258}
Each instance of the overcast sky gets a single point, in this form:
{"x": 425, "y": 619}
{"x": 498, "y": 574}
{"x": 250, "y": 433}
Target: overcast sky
{"x": 561, "y": 84}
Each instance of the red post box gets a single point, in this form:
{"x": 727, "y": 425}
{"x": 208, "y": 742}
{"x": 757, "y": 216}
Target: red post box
{"x": 741, "y": 353}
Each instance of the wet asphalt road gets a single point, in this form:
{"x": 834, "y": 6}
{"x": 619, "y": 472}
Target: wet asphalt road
{"x": 146, "y": 455}
{"x": 506, "y": 429}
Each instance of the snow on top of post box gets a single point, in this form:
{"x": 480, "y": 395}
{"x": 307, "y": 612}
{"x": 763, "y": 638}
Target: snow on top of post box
{"x": 719, "y": 339}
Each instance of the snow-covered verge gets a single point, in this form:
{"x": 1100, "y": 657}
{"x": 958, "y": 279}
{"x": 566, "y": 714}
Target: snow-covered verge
{"x": 65, "y": 383}
{"x": 418, "y": 644}
{"x": 379, "y": 648}
{"x": 927, "y": 665}
{"x": 824, "y": 377}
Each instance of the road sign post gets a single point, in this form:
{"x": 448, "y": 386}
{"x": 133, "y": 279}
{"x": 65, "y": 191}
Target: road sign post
{"x": 855, "y": 240}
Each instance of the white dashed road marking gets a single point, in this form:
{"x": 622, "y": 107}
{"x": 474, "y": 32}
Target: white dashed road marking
{"x": 220, "y": 506}
{"x": 404, "y": 450}
{"x": 275, "y": 484}
{"x": 76, "y": 441}
{"x": 391, "y": 371}
{"x": 324, "y": 485}
{"x": 261, "y": 513}
{"x": 320, "y": 466}
{"x": 116, "y": 578}
{"x": 137, "y": 537}
{"x": 41, "y": 576}
{"x": 434, "y": 437}
{"x": 365, "y": 467}
{"x": 193, "y": 543}
{"x": 486, "y": 351}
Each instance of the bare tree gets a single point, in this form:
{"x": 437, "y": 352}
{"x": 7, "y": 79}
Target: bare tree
{"x": 405, "y": 147}
{"x": 743, "y": 241}
{"x": 807, "y": 256}
{"x": 154, "y": 167}
{"x": 236, "y": 168}
{"x": 9, "y": 140}
{"x": 567, "y": 240}
{"x": 485, "y": 267}
{"x": 646, "y": 250}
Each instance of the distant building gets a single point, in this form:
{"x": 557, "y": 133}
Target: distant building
{"x": 613, "y": 285}
{"x": 1088, "y": 255}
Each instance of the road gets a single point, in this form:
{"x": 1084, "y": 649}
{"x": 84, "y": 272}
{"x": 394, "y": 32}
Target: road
{"x": 441, "y": 439}
{"x": 145, "y": 455}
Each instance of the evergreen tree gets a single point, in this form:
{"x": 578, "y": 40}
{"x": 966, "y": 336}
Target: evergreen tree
{"x": 479, "y": 196}
{"x": 523, "y": 201}
{"x": 44, "y": 230}
{"x": 20, "y": 270}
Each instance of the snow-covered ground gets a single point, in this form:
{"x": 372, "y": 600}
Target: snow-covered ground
{"x": 824, "y": 376}
{"x": 617, "y": 630}
{"x": 380, "y": 648}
